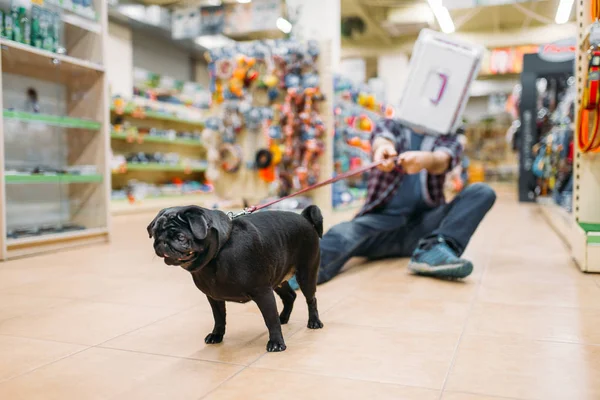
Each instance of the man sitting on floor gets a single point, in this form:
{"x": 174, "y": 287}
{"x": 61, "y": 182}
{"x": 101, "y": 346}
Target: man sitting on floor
{"x": 405, "y": 212}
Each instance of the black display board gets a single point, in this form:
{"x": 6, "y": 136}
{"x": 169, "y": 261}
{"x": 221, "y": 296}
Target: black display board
{"x": 534, "y": 67}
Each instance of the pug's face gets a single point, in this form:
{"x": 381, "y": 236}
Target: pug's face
{"x": 189, "y": 236}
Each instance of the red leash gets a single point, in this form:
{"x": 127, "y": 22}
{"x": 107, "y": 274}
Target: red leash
{"x": 345, "y": 175}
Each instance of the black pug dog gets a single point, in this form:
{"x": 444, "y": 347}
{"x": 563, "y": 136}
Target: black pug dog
{"x": 245, "y": 259}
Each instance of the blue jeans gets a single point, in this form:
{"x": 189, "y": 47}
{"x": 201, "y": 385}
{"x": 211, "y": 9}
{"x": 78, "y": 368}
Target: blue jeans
{"x": 378, "y": 235}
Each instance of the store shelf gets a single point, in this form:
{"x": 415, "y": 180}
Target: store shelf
{"x": 52, "y": 120}
{"x": 158, "y": 116}
{"x": 155, "y": 139}
{"x": 51, "y": 237}
{"x": 156, "y": 167}
{"x": 73, "y": 18}
{"x": 22, "y": 59}
{"x": 59, "y": 241}
{"x": 52, "y": 179}
{"x": 155, "y": 204}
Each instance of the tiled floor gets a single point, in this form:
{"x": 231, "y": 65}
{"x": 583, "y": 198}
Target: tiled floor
{"x": 112, "y": 322}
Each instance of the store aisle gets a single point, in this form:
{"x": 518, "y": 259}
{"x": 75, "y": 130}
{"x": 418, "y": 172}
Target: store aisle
{"x": 113, "y": 322}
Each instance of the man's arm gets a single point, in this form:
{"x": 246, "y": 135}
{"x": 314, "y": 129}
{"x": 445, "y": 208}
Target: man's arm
{"x": 444, "y": 156}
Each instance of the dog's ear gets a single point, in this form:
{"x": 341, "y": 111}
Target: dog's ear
{"x": 198, "y": 223}
{"x": 221, "y": 223}
{"x": 152, "y": 225}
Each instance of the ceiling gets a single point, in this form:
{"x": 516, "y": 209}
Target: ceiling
{"x": 391, "y": 21}
{"x": 396, "y": 22}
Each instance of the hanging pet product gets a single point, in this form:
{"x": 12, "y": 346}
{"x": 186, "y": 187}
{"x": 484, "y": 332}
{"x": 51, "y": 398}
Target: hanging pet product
{"x": 231, "y": 157}
{"x": 212, "y": 140}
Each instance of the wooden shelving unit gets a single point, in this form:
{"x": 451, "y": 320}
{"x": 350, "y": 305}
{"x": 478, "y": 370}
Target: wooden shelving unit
{"x": 581, "y": 229}
{"x": 145, "y": 113}
{"x": 55, "y": 179}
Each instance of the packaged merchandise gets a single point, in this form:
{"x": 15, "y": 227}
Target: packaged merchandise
{"x": 8, "y": 25}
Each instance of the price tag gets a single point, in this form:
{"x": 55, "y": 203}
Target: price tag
{"x": 38, "y": 2}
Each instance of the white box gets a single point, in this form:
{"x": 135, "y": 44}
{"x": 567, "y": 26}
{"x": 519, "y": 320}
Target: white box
{"x": 441, "y": 71}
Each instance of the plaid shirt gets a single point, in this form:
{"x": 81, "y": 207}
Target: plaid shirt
{"x": 383, "y": 185}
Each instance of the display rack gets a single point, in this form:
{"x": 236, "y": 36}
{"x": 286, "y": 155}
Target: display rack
{"x": 55, "y": 180}
{"x": 146, "y": 113}
{"x": 581, "y": 230}
{"x": 585, "y": 236}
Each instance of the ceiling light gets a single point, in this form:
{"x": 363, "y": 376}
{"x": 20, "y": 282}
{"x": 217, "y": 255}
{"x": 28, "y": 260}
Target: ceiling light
{"x": 442, "y": 16}
{"x": 244, "y": 1}
{"x": 284, "y": 25}
{"x": 563, "y": 12}
{"x": 213, "y": 41}
{"x": 213, "y": 2}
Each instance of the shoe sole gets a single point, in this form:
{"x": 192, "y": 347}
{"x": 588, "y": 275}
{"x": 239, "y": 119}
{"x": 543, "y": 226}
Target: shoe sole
{"x": 449, "y": 271}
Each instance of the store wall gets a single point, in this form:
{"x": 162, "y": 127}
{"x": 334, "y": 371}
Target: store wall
{"x": 160, "y": 56}
{"x": 312, "y": 20}
{"x": 119, "y": 60}
{"x": 201, "y": 75}
{"x": 354, "y": 69}
{"x": 476, "y": 108}
{"x": 392, "y": 69}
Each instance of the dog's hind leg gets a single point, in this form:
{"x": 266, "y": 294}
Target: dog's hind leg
{"x": 218, "y": 309}
{"x": 265, "y": 300}
{"x": 288, "y": 296}
{"x": 307, "y": 280}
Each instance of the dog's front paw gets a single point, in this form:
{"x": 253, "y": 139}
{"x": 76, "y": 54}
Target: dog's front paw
{"x": 213, "y": 338}
{"x": 274, "y": 346}
{"x": 314, "y": 324}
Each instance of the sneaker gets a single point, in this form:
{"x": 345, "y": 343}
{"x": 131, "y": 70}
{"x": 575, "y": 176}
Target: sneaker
{"x": 434, "y": 257}
{"x": 293, "y": 283}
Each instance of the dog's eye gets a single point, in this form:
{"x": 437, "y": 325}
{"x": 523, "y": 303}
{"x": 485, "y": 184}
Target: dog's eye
{"x": 181, "y": 237}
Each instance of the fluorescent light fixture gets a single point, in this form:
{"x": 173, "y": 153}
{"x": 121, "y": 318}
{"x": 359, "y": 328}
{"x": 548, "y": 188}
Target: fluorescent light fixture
{"x": 563, "y": 12}
{"x": 213, "y": 2}
{"x": 284, "y": 25}
{"x": 443, "y": 16}
{"x": 213, "y": 41}
{"x": 244, "y": 1}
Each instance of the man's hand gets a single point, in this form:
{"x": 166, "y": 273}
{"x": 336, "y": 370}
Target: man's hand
{"x": 385, "y": 150}
{"x": 413, "y": 162}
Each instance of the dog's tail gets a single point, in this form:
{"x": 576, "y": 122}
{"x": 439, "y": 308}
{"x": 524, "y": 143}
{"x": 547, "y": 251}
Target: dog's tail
{"x": 314, "y": 216}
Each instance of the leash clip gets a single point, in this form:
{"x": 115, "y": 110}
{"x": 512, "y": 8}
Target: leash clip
{"x": 233, "y": 216}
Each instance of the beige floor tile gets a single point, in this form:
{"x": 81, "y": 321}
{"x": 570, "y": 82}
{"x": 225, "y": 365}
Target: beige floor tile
{"x": 526, "y": 369}
{"x": 111, "y": 374}
{"x": 156, "y": 294}
{"x": 374, "y": 354}
{"x": 399, "y": 283}
{"x": 468, "y": 396}
{"x": 16, "y": 305}
{"x": 585, "y": 294}
{"x": 15, "y": 277}
{"x": 579, "y": 325}
{"x": 398, "y": 312}
{"x": 183, "y": 336}
{"x": 77, "y": 286}
{"x": 21, "y": 355}
{"x": 259, "y": 384}
{"x": 523, "y": 268}
{"x": 83, "y": 322}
